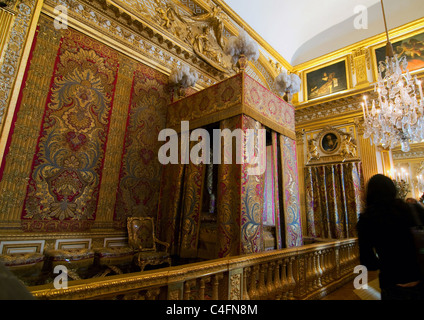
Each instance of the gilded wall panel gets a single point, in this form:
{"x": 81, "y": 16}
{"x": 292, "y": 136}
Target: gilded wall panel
{"x": 12, "y": 50}
{"x": 21, "y": 146}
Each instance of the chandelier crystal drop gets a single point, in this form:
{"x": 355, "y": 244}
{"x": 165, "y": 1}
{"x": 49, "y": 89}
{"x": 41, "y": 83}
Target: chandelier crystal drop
{"x": 398, "y": 115}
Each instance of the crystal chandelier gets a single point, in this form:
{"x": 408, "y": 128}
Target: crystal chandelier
{"x": 397, "y": 117}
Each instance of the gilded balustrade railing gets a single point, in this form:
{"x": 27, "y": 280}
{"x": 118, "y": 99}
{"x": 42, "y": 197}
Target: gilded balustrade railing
{"x": 307, "y": 272}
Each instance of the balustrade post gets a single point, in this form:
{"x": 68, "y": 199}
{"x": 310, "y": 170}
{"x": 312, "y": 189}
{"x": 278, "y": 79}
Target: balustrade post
{"x": 292, "y": 282}
{"x": 152, "y": 294}
{"x": 309, "y": 273}
{"x": 277, "y": 281}
{"x": 262, "y": 288}
{"x": 345, "y": 259}
{"x": 314, "y": 271}
{"x": 284, "y": 281}
{"x": 319, "y": 269}
{"x": 334, "y": 264}
{"x": 175, "y": 291}
{"x": 187, "y": 290}
{"x": 253, "y": 292}
{"x": 325, "y": 266}
{"x": 337, "y": 263}
{"x": 269, "y": 281}
{"x": 245, "y": 294}
{"x": 301, "y": 270}
{"x": 215, "y": 287}
{"x": 202, "y": 289}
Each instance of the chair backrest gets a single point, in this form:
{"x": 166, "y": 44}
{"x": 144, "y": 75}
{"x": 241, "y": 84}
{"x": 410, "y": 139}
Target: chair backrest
{"x": 141, "y": 233}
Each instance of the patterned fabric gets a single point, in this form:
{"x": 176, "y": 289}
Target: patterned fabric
{"x": 192, "y": 208}
{"x": 252, "y": 200}
{"x": 269, "y": 203}
{"x": 238, "y": 95}
{"x": 21, "y": 259}
{"x": 141, "y": 234}
{"x": 229, "y": 200}
{"x": 139, "y": 181}
{"x": 170, "y": 204}
{"x": 66, "y": 170}
{"x": 293, "y": 228}
{"x": 277, "y": 187}
{"x": 70, "y": 255}
{"x": 85, "y": 128}
{"x": 333, "y": 194}
{"x": 145, "y": 235}
{"x": 268, "y": 104}
{"x": 207, "y": 103}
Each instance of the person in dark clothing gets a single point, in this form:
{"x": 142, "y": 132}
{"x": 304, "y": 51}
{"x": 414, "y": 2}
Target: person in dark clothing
{"x": 10, "y": 286}
{"x": 386, "y": 242}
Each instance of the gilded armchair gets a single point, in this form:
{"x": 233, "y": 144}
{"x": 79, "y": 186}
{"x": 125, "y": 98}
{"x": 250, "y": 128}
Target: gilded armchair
{"x": 141, "y": 237}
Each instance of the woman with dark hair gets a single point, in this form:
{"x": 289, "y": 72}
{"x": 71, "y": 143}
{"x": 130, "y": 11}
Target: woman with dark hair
{"x": 386, "y": 242}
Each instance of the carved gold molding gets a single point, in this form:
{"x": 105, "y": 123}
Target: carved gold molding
{"x": 343, "y": 147}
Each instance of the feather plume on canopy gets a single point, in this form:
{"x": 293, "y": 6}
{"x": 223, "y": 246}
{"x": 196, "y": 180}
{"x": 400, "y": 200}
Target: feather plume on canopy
{"x": 183, "y": 77}
{"x": 243, "y": 44}
{"x": 287, "y": 83}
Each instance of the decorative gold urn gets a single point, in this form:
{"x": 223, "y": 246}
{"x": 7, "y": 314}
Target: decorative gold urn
{"x": 242, "y": 62}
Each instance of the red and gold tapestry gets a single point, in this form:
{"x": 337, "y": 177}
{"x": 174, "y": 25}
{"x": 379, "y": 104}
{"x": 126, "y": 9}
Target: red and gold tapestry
{"x": 66, "y": 170}
{"x": 84, "y": 137}
{"x": 139, "y": 182}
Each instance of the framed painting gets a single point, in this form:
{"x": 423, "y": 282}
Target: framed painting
{"x": 411, "y": 47}
{"x": 330, "y": 142}
{"x": 326, "y": 80}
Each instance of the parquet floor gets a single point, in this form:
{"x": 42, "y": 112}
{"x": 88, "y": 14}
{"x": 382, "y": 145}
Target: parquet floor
{"x": 347, "y": 291}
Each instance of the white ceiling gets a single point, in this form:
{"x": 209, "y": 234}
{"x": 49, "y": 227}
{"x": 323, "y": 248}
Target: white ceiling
{"x": 301, "y": 30}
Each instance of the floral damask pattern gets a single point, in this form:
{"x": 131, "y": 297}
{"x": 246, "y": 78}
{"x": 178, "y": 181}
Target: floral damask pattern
{"x": 334, "y": 200}
{"x": 139, "y": 184}
{"x": 66, "y": 172}
{"x": 268, "y": 104}
{"x": 206, "y": 103}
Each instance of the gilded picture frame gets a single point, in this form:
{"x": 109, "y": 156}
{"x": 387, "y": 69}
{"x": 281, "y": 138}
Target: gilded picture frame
{"x": 330, "y": 142}
{"x": 327, "y": 79}
{"x": 410, "y": 45}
